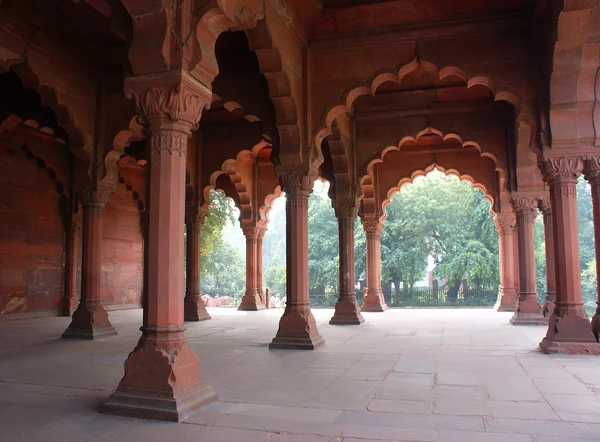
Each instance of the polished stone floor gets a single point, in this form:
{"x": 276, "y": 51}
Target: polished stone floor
{"x": 405, "y": 375}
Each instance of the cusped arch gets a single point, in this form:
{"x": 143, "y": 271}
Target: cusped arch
{"x": 266, "y": 208}
{"x": 64, "y": 116}
{"x": 429, "y": 131}
{"x": 123, "y": 139}
{"x": 421, "y": 172}
{"x": 230, "y": 168}
{"x": 498, "y": 89}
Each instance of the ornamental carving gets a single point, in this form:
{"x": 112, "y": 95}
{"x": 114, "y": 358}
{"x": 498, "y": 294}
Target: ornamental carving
{"x": 250, "y": 231}
{"x": 346, "y": 211}
{"x": 169, "y": 142}
{"x": 592, "y": 171}
{"x": 297, "y": 201}
{"x": 545, "y": 205}
{"x": 564, "y": 190}
{"x": 562, "y": 168}
{"x": 97, "y": 197}
{"x": 296, "y": 181}
{"x": 523, "y": 204}
{"x": 505, "y": 223}
{"x": 175, "y": 96}
{"x": 372, "y": 227}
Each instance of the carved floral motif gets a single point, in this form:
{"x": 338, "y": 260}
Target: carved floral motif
{"x": 564, "y": 167}
{"x": 373, "y": 227}
{"x": 169, "y": 141}
{"x": 346, "y": 211}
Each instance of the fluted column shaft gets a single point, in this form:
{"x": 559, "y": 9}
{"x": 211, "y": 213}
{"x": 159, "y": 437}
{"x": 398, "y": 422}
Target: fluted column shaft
{"x": 507, "y": 296}
{"x": 529, "y": 309}
{"x": 73, "y": 247}
{"x": 373, "y": 300}
{"x": 546, "y": 208}
{"x": 297, "y": 327}
{"x": 162, "y": 375}
{"x": 568, "y": 326}
{"x": 90, "y": 319}
{"x": 251, "y": 299}
{"x": 347, "y": 310}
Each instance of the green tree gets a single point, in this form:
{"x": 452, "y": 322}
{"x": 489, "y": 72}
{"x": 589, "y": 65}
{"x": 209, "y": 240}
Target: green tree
{"x": 323, "y": 249}
{"x": 445, "y": 218}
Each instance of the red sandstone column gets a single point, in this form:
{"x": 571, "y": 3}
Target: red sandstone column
{"x": 529, "y": 309}
{"x": 374, "y": 301}
{"x": 162, "y": 375}
{"x": 193, "y": 305}
{"x": 515, "y": 251}
{"x": 251, "y": 301}
{"x": 297, "y": 327}
{"x": 546, "y": 208}
{"x": 569, "y": 329}
{"x": 592, "y": 174}
{"x": 260, "y": 234}
{"x": 507, "y": 296}
{"x": 347, "y": 310}
{"x": 71, "y": 298}
{"x": 90, "y": 319}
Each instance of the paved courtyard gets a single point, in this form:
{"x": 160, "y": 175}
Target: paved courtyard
{"x": 405, "y": 375}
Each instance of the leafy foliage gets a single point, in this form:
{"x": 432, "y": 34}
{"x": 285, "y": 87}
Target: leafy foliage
{"x": 447, "y": 219}
{"x": 222, "y": 265}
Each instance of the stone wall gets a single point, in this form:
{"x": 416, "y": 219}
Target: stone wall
{"x": 32, "y": 237}
{"x": 122, "y": 251}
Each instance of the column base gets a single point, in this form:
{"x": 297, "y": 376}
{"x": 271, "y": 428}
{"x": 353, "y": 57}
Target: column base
{"x": 570, "y": 333}
{"x": 90, "y": 321}
{"x": 297, "y": 330}
{"x": 251, "y": 301}
{"x": 167, "y": 409}
{"x": 507, "y": 300}
{"x": 194, "y": 309}
{"x": 528, "y": 319}
{"x": 374, "y": 301}
{"x": 528, "y": 311}
{"x": 347, "y": 311}
{"x": 162, "y": 380}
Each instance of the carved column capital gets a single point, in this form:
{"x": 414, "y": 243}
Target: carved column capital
{"x": 563, "y": 168}
{"x": 346, "y": 211}
{"x": 96, "y": 197}
{"x": 296, "y": 182}
{"x": 260, "y": 231}
{"x": 591, "y": 171}
{"x": 173, "y": 97}
{"x": 526, "y": 207}
{"x": 545, "y": 205}
{"x": 373, "y": 228}
{"x": 505, "y": 223}
{"x": 250, "y": 231}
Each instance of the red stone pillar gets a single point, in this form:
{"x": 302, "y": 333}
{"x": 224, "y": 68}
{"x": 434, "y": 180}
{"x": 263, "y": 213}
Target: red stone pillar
{"x": 162, "y": 375}
{"x": 260, "y": 234}
{"x": 73, "y": 247}
{"x": 90, "y": 319}
{"x": 193, "y": 304}
{"x": 251, "y": 301}
{"x": 297, "y": 327}
{"x": 569, "y": 329}
{"x": 347, "y": 310}
{"x": 546, "y": 209}
{"x": 507, "y": 296}
{"x": 374, "y": 301}
{"x": 529, "y": 309}
{"x": 592, "y": 174}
